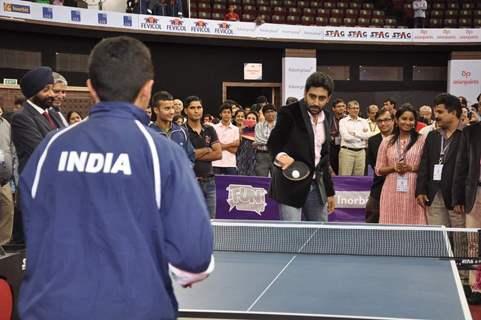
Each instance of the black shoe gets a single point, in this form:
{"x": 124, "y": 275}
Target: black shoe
{"x": 474, "y": 298}
{"x": 14, "y": 246}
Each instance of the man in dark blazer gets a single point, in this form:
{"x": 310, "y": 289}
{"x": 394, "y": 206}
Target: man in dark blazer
{"x": 467, "y": 191}
{"x": 436, "y": 169}
{"x": 32, "y": 123}
{"x": 302, "y": 133}
{"x": 385, "y": 122}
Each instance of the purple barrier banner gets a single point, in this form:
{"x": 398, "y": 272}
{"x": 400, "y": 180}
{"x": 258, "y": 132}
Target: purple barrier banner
{"x": 244, "y": 197}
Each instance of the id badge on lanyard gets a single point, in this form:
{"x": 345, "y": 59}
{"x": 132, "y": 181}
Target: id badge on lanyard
{"x": 402, "y": 180}
{"x": 402, "y": 183}
{"x": 438, "y": 168}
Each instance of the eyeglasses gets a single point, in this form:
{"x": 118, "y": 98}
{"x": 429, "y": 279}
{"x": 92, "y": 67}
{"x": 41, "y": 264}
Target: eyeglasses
{"x": 383, "y": 120}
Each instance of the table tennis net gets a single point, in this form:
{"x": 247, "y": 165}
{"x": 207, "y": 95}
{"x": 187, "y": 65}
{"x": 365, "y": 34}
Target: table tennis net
{"x": 347, "y": 239}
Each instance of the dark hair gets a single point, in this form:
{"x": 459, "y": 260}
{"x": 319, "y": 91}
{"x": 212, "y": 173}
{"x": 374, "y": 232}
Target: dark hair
{"x": 268, "y": 107}
{"x": 160, "y": 96}
{"x": 225, "y": 106}
{"x": 451, "y": 103}
{"x": 391, "y": 101}
{"x": 235, "y": 115}
{"x": 383, "y": 111}
{"x": 261, "y": 99}
{"x": 153, "y": 116}
{"x": 19, "y": 100}
{"x": 319, "y": 79}
{"x": 177, "y": 117}
{"x": 407, "y": 107}
{"x": 69, "y": 114}
{"x": 231, "y": 102}
{"x": 254, "y": 113}
{"x": 337, "y": 101}
{"x": 290, "y": 100}
{"x": 463, "y": 101}
{"x": 119, "y": 67}
{"x": 191, "y": 99}
{"x": 479, "y": 96}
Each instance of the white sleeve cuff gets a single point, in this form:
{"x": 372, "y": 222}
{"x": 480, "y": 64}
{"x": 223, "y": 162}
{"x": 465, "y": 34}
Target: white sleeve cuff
{"x": 186, "y": 279}
{"x": 276, "y": 162}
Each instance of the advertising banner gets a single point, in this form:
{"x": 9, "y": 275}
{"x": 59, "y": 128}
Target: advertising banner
{"x": 246, "y": 198}
{"x": 464, "y": 78}
{"x": 240, "y": 30}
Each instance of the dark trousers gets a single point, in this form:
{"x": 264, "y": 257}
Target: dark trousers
{"x": 232, "y": 171}
{"x": 419, "y": 22}
{"x": 334, "y": 157}
{"x": 263, "y": 164}
{"x": 207, "y": 185}
{"x": 372, "y": 210}
{"x": 17, "y": 231}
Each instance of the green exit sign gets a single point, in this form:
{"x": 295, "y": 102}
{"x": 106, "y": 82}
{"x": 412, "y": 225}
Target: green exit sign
{"x": 10, "y": 81}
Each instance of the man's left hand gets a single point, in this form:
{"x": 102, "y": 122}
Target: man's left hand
{"x": 331, "y": 204}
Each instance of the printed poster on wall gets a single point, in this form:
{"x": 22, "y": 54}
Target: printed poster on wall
{"x": 464, "y": 79}
{"x": 295, "y": 71}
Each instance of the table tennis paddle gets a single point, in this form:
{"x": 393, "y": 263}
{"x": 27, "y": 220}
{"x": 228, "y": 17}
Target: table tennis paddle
{"x": 297, "y": 171}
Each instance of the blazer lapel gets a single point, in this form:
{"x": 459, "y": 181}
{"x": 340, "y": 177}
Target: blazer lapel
{"x": 39, "y": 119}
{"x": 310, "y": 132}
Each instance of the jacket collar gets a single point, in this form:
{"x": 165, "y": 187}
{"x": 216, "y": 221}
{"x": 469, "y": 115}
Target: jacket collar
{"x": 119, "y": 109}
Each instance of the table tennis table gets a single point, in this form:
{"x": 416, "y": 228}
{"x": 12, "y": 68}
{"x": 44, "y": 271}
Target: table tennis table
{"x": 261, "y": 274}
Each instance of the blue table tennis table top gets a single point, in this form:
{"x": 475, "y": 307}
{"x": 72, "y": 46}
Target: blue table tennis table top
{"x": 249, "y": 285}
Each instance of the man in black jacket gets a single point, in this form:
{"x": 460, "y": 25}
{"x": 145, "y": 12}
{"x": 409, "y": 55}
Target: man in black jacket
{"x": 385, "y": 122}
{"x": 302, "y": 133}
{"x": 436, "y": 170}
{"x": 32, "y": 123}
{"x": 467, "y": 191}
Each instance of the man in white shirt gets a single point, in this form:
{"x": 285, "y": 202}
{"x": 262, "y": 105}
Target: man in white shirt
{"x": 229, "y": 138}
{"x": 419, "y": 7}
{"x": 262, "y": 132}
{"x": 354, "y": 135}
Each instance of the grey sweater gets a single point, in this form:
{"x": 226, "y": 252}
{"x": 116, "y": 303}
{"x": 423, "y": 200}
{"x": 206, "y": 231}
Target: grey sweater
{"x": 7, "y": 151}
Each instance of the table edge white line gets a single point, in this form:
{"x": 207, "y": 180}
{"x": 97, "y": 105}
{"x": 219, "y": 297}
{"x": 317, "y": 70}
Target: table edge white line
{"x": 295, "y": 314}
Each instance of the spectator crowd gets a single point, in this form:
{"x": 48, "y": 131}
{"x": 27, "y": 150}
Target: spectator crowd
{"x": 425, "y": 161}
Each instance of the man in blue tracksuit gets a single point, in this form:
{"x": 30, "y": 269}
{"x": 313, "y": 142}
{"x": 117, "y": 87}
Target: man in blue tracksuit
{"x": 103, "y": 223}
{"x": 163, "y": 107}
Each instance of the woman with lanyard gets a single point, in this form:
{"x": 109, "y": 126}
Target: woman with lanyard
{"x": 398, "y": 159}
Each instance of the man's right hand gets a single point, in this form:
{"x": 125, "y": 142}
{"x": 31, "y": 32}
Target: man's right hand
{"x": 284, "y": 161}
{"x": 422, "y": 199}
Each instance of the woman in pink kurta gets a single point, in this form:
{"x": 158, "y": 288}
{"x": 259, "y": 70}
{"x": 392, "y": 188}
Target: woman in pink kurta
{"x": 398, "y": 159}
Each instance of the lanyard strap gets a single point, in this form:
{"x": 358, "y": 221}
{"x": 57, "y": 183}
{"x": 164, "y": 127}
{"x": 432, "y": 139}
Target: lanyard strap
{"x": 401, "y": 156}
{"x": 444, "y": 149}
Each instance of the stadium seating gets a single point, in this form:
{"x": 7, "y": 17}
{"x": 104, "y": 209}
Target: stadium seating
{"x": 440, "y": 13}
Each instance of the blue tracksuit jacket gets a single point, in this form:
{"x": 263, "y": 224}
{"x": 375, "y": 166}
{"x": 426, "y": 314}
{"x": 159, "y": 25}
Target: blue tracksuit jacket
{"x": 103, "y": 219}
